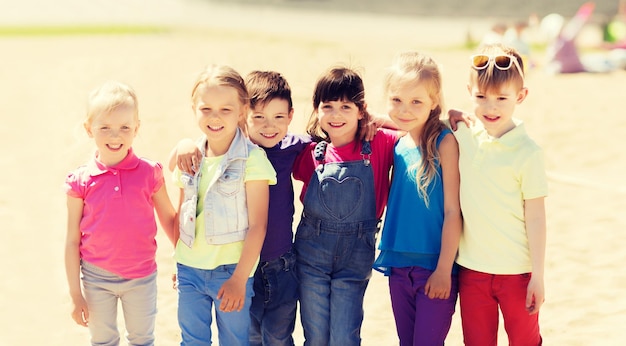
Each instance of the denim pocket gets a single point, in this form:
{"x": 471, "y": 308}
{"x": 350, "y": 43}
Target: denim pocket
{"x": 228, "y": 184}
{"x": 369, "y": 239}
{"x": 306, "y": 231}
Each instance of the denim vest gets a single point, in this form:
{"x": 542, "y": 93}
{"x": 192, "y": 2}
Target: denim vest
{"x": 225, "y": 210}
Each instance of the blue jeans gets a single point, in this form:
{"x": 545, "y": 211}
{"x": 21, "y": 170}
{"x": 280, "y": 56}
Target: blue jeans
{"x": 273, "y": 311}
{"x": 334, "y": 267}
{"x": 103, "y": 290}
{"x": 197, "y": 293}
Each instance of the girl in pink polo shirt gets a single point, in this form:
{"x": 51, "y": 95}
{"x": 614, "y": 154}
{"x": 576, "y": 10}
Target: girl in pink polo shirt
{"x": 111, "y": 226}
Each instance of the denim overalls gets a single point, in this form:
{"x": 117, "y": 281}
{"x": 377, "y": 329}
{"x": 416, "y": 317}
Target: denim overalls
{"x": 335, "y": 244}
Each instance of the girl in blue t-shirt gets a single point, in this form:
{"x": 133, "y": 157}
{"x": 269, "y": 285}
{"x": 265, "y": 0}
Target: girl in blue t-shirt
{"x": 423, "y": 222}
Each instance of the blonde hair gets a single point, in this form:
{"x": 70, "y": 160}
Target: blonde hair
{"x": 108, "y": 97}
{"x": 413, "y": 67}
{"x": 492, "y": 78}
{"x": 222, "y": 75}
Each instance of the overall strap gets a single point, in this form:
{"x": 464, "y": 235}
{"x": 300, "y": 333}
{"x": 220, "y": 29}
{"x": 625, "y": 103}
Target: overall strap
{"x": 319, "y": 154}
{"x": 366, "y": 152}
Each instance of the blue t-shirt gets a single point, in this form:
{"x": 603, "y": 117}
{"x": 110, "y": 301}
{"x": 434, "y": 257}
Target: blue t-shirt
{"x": 411, "y": 233}
{"x": 279, "y": 237}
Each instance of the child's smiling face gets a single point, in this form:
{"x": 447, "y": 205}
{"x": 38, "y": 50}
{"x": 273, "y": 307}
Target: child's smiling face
{"x": 340, "y": 119}
{"x": 268, "y": 123}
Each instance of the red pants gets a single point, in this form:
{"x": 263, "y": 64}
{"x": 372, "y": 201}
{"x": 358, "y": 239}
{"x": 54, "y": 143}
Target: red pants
{"x": 480, "y": 296}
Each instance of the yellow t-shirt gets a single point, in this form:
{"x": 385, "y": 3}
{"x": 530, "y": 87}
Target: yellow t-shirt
{"x": 206, "y": 256}
{"x": 497, "y": 175}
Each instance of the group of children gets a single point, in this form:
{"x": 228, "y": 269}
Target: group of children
{"x": 464, "y": 211}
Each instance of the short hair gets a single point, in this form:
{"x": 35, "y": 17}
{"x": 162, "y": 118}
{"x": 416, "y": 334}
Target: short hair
{"x": 492, "y": 78}
{"x": 108, "y": 97}
{"x": 265, "y": 86}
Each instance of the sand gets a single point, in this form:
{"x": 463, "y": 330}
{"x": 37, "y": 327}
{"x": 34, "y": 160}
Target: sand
{"x": 578, "y": 119}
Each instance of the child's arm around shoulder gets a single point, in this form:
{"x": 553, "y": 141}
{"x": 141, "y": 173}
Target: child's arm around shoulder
{"x": 186, "y": 156}
{"x": 455, "y": 116}
{"x": 535, "y": 217}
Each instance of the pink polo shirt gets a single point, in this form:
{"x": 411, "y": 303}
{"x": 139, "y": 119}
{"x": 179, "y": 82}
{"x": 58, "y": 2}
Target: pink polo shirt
{"x": 118, "y": 224}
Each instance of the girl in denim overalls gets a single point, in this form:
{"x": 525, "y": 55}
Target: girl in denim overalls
{"x": 346, "y": 182}
{"x": 222, "y": 227}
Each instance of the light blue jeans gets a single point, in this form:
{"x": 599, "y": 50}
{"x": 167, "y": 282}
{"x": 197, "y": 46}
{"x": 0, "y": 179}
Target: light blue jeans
{"x": 197, "y": 293}
{"x": 138, "y": 296}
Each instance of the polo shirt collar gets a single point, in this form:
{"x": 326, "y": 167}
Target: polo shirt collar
{"x": 509, "y": 139}
{"x": 96, "y": 167}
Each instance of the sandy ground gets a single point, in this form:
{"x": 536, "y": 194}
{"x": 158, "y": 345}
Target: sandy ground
{"x": 578, "y": 119}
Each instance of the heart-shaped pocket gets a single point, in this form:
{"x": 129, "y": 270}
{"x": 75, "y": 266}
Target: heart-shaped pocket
{"x": 341, "y": 198}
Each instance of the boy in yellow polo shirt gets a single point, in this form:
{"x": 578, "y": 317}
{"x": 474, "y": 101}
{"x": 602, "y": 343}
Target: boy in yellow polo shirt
{"x": 503, "y": 186}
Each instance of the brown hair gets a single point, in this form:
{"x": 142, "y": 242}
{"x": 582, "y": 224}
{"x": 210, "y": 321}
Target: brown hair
{"x": 338, "y": 83}
{"x": 264, "y": 86}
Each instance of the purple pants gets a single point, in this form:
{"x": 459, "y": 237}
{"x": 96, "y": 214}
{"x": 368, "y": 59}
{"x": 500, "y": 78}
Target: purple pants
{"x": 419, "y": 319}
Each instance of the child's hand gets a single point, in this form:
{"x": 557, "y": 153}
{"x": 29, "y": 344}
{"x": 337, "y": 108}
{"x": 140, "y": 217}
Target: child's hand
{"x": 232, "y": 295}
{"x": 535, "y": 296}
{"x": 80, "y": 312}
{"x": 456, "y": 115}
{"x": 377, "y": 122}
{"x": 369, "y": 130}
{"x": 174, "y": 281}
{"x": 438, "y": 285}
{"x": 188, "y": 156}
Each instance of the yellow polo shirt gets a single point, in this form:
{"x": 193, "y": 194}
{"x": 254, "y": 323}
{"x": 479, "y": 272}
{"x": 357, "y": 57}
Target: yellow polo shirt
{"x": 497, "y": 175}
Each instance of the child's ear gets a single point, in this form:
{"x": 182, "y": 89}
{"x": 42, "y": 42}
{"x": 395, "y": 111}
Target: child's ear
{"x": 361, "y": 113}
{"x": 137, "y": 127}
{"x": 521, "y": 95}
{"x": 88, "y": 129}
{"x": 244, "y": 113}
{"x": 290, "y": 116}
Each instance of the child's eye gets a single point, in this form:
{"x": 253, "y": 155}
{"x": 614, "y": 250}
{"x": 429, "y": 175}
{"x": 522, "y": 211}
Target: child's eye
{"x": 279, "y": 116}
{"x": 395, "y": 100}
{"x": 416, "y": 102}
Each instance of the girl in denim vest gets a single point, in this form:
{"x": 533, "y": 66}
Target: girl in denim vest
{"x": 222, "y": 227}
{"x": 346, "y": 182}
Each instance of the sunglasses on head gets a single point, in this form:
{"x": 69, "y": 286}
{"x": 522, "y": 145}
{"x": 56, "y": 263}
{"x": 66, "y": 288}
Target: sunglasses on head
{"x": 501, "y": 62}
